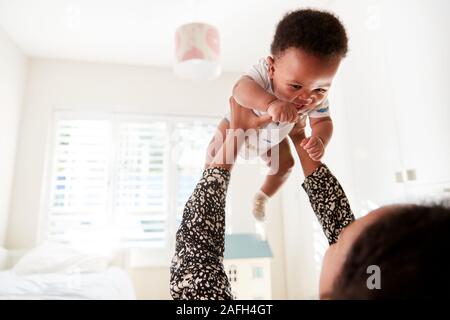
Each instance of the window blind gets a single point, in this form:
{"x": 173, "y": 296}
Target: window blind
{"x": 80, "y": 177}
{"x": 192, "y": 141}
{"x": 140, "y": 198}
{"x": 133, "y": 176}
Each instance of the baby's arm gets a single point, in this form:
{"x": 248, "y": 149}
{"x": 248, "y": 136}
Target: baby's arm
{"x": 322, "y": 128}
{"x": 249, "y": 94}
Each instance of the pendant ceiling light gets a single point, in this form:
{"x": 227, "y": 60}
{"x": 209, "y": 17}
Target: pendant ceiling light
{"x": 197, "y": 51}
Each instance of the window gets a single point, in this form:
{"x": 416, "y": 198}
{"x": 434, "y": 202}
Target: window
{"x": 79, "y": 191}
{"x": 232, "y": 273}
{"x": 191, "y": 154}
{"x": 122, "y": 179}
{"x": 257, "y": 272}
{"x": 139, "y": 193}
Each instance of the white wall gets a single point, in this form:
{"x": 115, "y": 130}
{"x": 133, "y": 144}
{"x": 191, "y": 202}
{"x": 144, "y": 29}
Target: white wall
{"x": 12, "y": 81}
{"x": 119, "y": 88}
{"x": 395, "y": 95}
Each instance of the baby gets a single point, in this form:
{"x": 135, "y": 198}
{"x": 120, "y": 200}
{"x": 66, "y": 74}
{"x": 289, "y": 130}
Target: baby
{"x": 291, "y": 83}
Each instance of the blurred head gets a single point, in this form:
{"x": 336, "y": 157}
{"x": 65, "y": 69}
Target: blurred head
{"x": 409, "y": 244}
{"x": 307, "y": 49}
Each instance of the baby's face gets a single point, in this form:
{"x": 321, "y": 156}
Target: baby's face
{"x": 302, "y": 78}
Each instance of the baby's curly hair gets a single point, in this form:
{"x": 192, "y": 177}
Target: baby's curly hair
{"x": 319, "y": 33}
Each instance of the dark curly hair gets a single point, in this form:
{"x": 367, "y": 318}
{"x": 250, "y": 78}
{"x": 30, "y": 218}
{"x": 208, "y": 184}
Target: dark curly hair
{"x": 410, "y": 246}
{"x": 317, "y": 32}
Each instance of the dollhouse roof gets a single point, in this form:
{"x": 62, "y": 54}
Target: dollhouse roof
{"x": 246, "y": 246}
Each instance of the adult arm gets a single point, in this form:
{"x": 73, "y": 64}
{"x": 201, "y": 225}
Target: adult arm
{"x": 325, "y": 193}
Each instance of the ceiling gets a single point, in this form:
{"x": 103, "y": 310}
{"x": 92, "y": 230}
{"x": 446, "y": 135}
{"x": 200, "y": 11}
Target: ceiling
{"x": 141, "y": 32}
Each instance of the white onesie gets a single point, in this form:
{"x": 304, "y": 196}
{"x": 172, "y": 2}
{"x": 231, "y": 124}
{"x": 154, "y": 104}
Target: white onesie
{"x": 272, "y": 134}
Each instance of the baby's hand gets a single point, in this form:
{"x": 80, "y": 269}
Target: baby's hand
{"x": 283, "y": 111}
{"x": 314, "y": 146}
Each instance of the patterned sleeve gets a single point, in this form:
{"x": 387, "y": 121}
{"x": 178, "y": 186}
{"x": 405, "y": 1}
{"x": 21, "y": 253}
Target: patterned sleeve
{"x": 321, "y": 111}
{"x": 197, "y": 271}
{"x": 329, "y": 202}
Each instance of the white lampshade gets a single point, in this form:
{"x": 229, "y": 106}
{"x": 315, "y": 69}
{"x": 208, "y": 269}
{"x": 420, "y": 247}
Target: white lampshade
{"x": 197, "y": 51}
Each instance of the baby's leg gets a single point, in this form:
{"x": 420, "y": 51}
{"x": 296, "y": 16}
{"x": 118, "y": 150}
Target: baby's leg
{"x": 216, "y": 141}
{"x": 280, "y": 161}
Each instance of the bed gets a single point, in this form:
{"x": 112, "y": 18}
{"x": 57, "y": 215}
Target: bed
{"x": 60, "y": 273}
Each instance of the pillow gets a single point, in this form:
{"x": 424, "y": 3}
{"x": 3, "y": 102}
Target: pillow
{"x": 59, "y": 259}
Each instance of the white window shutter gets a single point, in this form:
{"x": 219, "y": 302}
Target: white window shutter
{"x": 140, "y": 197}
{"x": 131, "y": 177}
{"x": 79, "y": 183}
{"x": 192, "y": 139}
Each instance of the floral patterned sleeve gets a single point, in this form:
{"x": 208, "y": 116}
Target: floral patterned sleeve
{"x": 197, "y": 271}
{"x": 329, "y": 202}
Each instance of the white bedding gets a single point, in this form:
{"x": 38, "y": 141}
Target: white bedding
{"x": 55, "y": 271}
{"x": 112, "y": 283}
